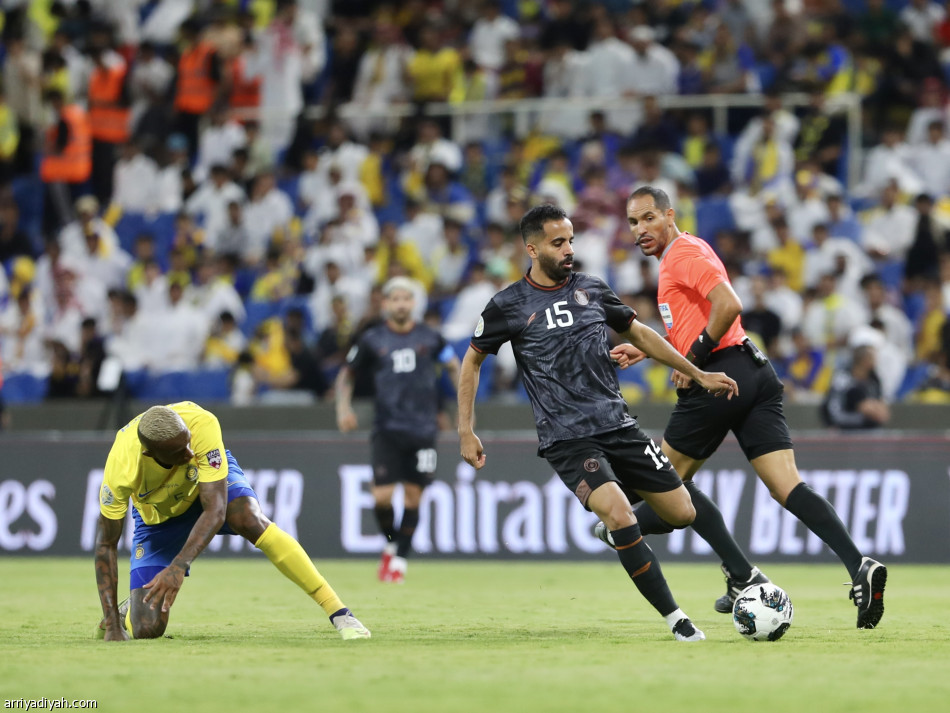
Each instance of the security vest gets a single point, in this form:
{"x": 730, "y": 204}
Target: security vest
{"x": 109, "y": 120}
{"x": 74, "y": 163}
{"x": 245, "y": 93}
{"x": 196, "y": 89}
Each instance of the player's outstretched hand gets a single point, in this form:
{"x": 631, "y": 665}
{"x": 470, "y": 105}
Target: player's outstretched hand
{"x": 472, "y": 451}
{"x": 625, "y": 355}
{"x": 164, "y": 588}
{"x": 717, "y": 383}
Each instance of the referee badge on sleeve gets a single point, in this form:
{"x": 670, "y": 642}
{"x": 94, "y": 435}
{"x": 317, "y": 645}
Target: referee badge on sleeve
{"x": 480, "y": 327}
{"x": 666, "y": 314}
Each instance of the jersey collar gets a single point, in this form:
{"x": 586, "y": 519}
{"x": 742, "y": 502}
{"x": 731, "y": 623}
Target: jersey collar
{"x": 535, "y": 285}
{"x": 670, "y": 246}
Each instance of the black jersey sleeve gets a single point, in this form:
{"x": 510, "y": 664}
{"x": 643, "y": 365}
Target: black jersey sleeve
{"x": 491, "y": 331}
{"x": 360, "y": 355}
{"x": 619, "y": 316}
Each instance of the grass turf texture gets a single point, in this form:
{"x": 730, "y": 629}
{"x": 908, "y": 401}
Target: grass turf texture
{"x": 474, "y": 636}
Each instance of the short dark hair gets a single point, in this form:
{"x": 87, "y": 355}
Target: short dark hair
{"x": 532, "y": 223}
{"x": 660, "y": 199}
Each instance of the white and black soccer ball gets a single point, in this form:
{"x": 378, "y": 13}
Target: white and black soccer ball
{"x": 762, "y": 612}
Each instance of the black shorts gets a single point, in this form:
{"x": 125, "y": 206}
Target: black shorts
{"x": 627, "y": 457}
{"x": 701, "y": 421}
{"x": 402, "y": 458}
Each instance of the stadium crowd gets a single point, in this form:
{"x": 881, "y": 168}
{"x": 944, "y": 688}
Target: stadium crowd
{"x": 202, "y": 197}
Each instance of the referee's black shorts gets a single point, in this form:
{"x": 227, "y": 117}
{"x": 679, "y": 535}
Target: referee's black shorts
{"x": 701, "y": 421}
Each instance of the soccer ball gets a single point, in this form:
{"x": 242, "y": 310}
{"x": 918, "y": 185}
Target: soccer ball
{"x": 762, "y": 612}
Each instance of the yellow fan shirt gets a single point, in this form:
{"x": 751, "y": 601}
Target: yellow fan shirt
{"x": 160, "y": 493}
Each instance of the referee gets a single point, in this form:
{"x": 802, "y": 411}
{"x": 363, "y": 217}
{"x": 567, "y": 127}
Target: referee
{"x": 701, "y": 313}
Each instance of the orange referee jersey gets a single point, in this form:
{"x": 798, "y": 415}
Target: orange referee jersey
{"x": 689, "y": 271}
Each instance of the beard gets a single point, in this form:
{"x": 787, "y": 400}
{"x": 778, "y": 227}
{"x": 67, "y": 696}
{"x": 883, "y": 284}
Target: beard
{"x": 556, "y": 271}
{"x": 400, "y": 317}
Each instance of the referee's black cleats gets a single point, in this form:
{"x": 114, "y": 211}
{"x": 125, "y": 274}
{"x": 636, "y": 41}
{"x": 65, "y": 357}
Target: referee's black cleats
{"x": 734, "y": 587}
{"x": 867, "y": 591}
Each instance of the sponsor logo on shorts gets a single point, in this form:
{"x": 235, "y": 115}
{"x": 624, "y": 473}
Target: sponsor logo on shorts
{"x": 214, "y": 458}
{"x": 581, "y": 296}
{"x": 191, "y": 473}
{"x": 139, "y": 552}
{"x": 591, "y": 465}
{"x": 106, "y": 496}
{"x": 480, "y": 327}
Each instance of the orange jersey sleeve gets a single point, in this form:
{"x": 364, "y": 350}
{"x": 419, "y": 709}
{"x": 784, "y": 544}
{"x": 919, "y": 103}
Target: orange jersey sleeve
{"x": 688, "y": 272}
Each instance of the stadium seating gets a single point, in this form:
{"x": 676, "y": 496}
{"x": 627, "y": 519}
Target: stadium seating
{"x": 712, "y": 216}
{"x": 24, "y": 388}
{"x": 203, "y": 385}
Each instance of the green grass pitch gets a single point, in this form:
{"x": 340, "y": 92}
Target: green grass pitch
{"x": 474, "y": 636}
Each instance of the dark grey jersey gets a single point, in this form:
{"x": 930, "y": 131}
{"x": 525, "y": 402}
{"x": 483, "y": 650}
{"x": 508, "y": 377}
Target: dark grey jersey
{"x": 406, "y": 375}
{"x": 559, "y": 337}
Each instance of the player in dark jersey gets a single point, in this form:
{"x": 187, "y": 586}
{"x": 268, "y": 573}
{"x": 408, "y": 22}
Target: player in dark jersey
{"x": 405, "y": 359}
{"x": 556, "y": 321}
{"x": 701, "y": 312}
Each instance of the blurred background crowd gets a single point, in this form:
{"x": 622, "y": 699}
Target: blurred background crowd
{"x": 201, "y": 198}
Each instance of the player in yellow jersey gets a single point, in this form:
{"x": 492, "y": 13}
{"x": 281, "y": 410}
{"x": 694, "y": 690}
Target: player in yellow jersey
{"x": 185, "y": 488}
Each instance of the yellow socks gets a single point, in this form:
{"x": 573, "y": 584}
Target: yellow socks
{"x": 291, "y": 559}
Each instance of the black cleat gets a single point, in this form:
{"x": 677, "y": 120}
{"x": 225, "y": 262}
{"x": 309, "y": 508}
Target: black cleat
{"x": 867, "y": 591}
{"x": 685, "y": 630}
{"x": 734, "y": 587}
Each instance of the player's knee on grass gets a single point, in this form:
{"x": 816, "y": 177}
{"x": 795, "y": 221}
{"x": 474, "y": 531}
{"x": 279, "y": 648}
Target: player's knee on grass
{"x": 147, "y": 623}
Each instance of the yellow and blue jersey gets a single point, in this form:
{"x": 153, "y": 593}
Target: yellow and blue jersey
{"x": 160, "y": 493}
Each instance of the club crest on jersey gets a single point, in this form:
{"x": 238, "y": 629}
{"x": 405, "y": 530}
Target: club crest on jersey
{"x": 581, "y": 296}
{"x": 480, "y": 327}
{"x": 666, "y": 314}
{"x": 191, "y": 473}
{"x": 214, "y": 458}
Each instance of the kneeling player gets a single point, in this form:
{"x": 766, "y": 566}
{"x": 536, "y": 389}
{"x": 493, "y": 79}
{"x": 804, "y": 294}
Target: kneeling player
{"x": 186, "y": 488}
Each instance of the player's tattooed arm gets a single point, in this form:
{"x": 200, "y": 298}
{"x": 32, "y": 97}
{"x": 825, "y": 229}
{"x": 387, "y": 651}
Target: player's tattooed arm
{"x": 108, "y": 532}
{"x": 163, "y": 587}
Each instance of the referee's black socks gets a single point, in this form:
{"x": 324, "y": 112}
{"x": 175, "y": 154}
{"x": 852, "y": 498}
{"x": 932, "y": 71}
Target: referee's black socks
{"x": 711, "y": 527}
{"x": 643, "y": 567}
{"x": 819, "y": 517}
